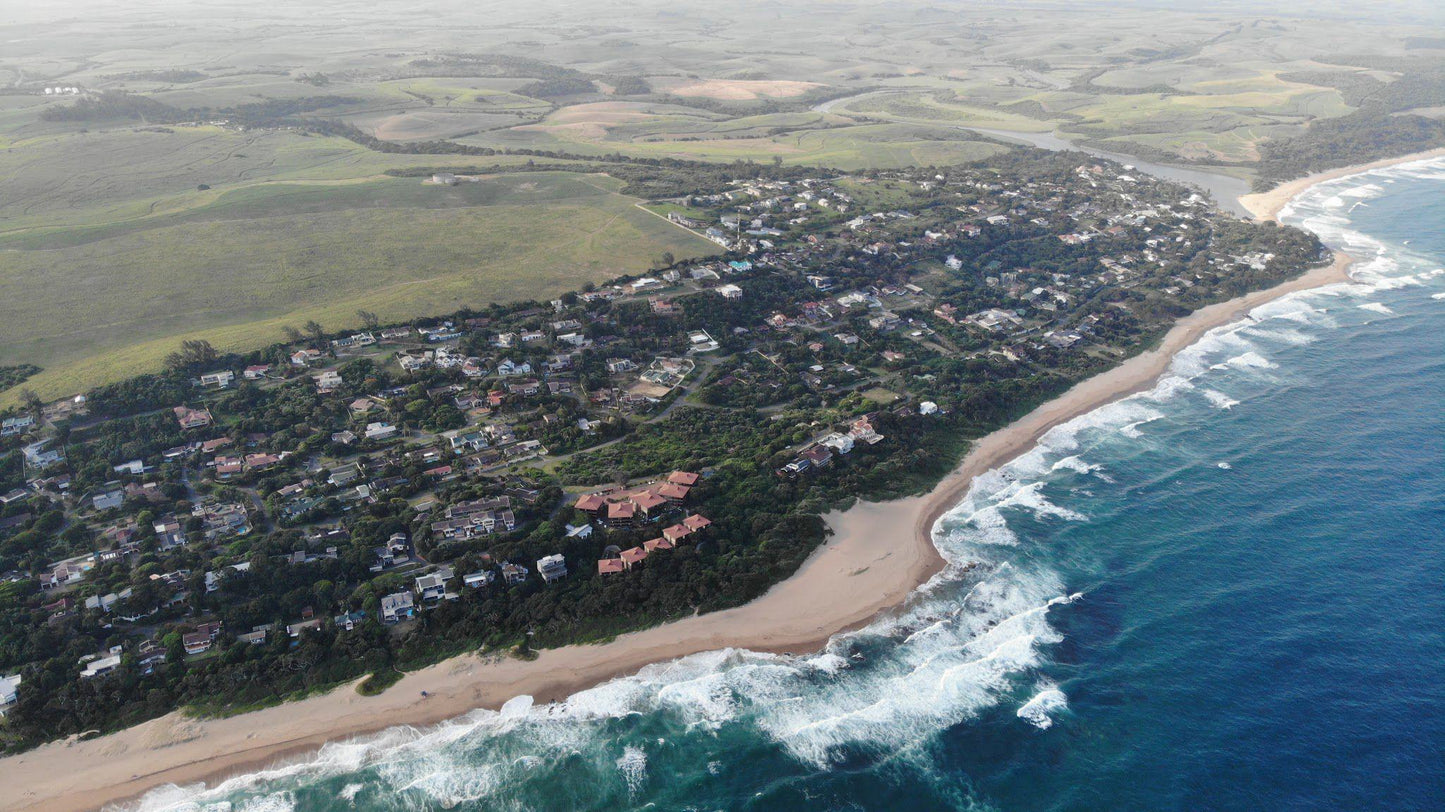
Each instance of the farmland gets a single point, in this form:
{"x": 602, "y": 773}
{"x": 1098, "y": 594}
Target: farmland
{"x": 393, "y": 246}
{"x": 240, "y": 192}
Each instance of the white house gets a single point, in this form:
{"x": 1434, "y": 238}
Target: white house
{"x": 379, "y": 431}
{"x": 552, "y": 567}
{"x": 9, "y": 692}
{"x": 397, "y": 607}
{"x": 328, "y": 380}
{"x": 102, "y": 665}
{"x": 218, "y": 380}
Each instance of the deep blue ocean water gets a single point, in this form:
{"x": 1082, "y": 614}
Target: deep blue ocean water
{"x": 1227, "y": 593}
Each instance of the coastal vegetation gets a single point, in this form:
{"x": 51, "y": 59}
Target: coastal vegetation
{"x": 348, "y": 356}
{"x": 236, "y": 529}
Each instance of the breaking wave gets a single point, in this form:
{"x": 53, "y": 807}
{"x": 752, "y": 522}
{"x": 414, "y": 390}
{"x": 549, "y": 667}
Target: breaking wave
{"x": 974, "y": 640}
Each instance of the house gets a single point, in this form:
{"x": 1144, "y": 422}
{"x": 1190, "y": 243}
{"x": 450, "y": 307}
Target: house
{"x": 552, "y": 567}
{"x": 302, "y": 358}
{"x": 65, "y": 573}
{"x": 610, "y": 566}
{"x": 397, "y": 607}
{"x": 299, "y": 628}
{"x": 841, "y": 443}
{"x": 256, "y": 372}
{"x": 617, "y": 366}
{"x": 328, "y": 381}
{"x": 818, "y": 456}
{"x": 477, "y": 580}
{"x": 621, "y": 514}
{"x": 108, "y": 500}
{"x": 196, "y": 643}
{"x": 730, "y": 291}
{"x": 380, "y": 431}
{"x": 699, "y": 342}
{"x": 9, "y": 692}
{"x": 633, "y": 556}
{"x": 101, "y": 665}
{"x": 513, "y": 574}
{"x": 104, "y": 603}
{"x": 344, "y": 437}
{"x": 433, "y": 585}
{"x": 37, "y": 456}
{"x": 218, "y": 380}
{"x": 885, "y": 322}
{"x": 508, "y": 368}
{"x": 192, "y": 418}
{"x": 348, "y": 621}
{"x": 12, "y": 426}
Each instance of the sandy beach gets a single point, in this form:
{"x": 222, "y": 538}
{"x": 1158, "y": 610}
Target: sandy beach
{"x": 1267, "y": 205}
{"x": 871, "y": 563}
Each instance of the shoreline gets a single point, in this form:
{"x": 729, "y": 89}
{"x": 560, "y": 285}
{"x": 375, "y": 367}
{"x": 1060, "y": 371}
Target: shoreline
{"x": 1266, "y": 206}
{"x": 799, "y": 614}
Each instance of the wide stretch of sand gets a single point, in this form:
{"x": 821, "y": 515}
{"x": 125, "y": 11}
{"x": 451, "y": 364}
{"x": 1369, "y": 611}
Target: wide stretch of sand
{"x": 877, "y": 555}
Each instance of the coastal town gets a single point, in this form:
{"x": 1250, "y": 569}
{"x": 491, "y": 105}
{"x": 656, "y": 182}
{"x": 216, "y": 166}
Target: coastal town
{"x": 245, "y": 527}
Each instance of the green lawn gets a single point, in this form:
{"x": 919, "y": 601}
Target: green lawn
{"x": 112, "y": 301}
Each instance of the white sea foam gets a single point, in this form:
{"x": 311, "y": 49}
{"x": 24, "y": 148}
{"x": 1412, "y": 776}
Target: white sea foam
{"x": 1168, "y": 387}
{"x": 1437, "y": 296}
{"x": 1377, "y": 307}
{"x": 633, "y": 766}
{"x": 1039, "y": 710}
{"x": 969, "y": 638}
{"x": 1075, "y": 464}
{"x": 1219, "y": 400}
{"x": 1250, "y": 360}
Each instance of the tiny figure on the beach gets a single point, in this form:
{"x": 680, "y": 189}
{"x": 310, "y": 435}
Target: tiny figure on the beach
{"x": 424, "y": 694}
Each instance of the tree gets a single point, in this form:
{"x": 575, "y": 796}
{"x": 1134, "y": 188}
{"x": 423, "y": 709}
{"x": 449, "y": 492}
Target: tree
{"x": 193, "y": 353}
{"x": 369, "y": 319}
{"x": 314, "y": 329}
{"x": 293, "y": 335}
{"x": 32, "y": 401}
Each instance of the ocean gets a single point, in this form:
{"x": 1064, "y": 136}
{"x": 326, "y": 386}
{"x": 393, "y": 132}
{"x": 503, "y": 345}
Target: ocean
{"x": 1225, "y": 593}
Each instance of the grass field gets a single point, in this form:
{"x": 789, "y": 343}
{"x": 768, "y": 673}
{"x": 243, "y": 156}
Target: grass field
{"x": 235, "y": 271}
{"x": 117, "y": 239}
{"x": 673, "y": 131}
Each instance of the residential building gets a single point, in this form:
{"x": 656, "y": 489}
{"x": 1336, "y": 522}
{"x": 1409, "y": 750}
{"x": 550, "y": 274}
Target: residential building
{"x": 552, "y": 567}
{"x": 397, "y": 607}
{"x": 219, "y": 379}
{"x": 9, "y": 692}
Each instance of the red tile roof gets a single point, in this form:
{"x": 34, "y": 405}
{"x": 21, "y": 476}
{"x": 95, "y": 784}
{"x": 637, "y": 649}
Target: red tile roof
{"x": 607, "y": 566}
{"x": 682, "y": 478}
{"x": 672, "y": 491}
